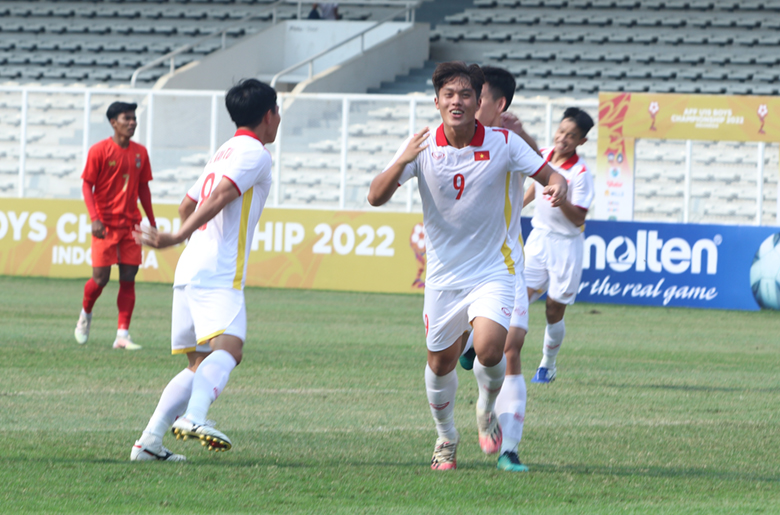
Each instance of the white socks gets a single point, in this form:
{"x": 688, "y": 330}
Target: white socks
{"x": 172, "y": 403}
{"x": 510, "y": 408}
{"x": 489, "y": 380}
{"x": 441, "y": 398}
{"x": 210, "y": 379}
{"x": 553, "y": 338}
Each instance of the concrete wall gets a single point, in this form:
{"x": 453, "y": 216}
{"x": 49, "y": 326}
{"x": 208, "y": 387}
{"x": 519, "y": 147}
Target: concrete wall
{"x": 396, "y": 56}
{"x": 284, "y": 45}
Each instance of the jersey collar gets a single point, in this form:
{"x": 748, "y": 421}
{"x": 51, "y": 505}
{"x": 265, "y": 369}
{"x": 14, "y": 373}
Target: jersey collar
{"x": 244, "y": 132}
{"x": 476, "y": 141}
{"x": 568, "y": 163}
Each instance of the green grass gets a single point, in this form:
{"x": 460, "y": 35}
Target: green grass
{"x": 655, "y": 411}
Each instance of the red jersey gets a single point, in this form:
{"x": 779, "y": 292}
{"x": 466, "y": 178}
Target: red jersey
{"x": 116, "y": 173}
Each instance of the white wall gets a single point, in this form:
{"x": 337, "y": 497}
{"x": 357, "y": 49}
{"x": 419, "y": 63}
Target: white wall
{"x": 286, "y": 44}
{"x": 381, "y": 63}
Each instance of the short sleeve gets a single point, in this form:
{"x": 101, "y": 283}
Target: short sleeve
{"x": 94, "y": 164}
{"x": 582, "y": 189}
{"x": 194, "y": 192}
{"x": 249, "y": 167}
{"x": 522, "y": 157}
{"x": 410, "y": 170}
{"x": 146, "y": 168}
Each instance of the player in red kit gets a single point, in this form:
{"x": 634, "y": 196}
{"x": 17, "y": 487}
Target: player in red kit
{"x": 116, "y": 177}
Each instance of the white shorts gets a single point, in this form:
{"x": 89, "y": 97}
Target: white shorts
{"x": 553, "y": 264}
{"x": 520, "y": 312}
{"x": 200, "y": 314}
{"x": 447, "y": 314}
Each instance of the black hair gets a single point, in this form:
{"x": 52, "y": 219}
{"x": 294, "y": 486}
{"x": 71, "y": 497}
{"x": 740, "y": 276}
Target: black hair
{"x": 501, "y": 83}
{"x": 117, "y": 108}
{"x": 445, "y": 72}
{"x": 249, "y": 101}
{"x": 582, "y": 119}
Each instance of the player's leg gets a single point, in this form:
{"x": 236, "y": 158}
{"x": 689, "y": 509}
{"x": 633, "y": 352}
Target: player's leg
{"x": 490, "y": 311}
{"x": 511, "y": 402}
{"x": 176, "y": 395}
{"x": 553, "y": 338}
{"x": 92, "y": 290}
{"x": 220, "y": 318}
{"x": 129, "y": 261}
{"x": 444, "y": 315}
{"x": 565, "y": 269}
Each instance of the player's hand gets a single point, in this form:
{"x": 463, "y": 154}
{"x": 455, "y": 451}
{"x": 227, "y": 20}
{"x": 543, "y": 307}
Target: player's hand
{"x": 151, "y": 237}
{"x": 557, "y": 193}
{"x": 511, "y": 122}
{"x": 98, "y": 229}
{"x": 413, "y": 149}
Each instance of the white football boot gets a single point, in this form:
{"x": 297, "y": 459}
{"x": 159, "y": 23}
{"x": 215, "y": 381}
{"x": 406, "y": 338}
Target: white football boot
{"x": 82, "y": 327}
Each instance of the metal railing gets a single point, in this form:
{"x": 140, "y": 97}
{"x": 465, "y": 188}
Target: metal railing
{"x": 171, "y": 56}
{"x": 221, "y": 34}
{"x": 408, "y": 10}
{"x": 213, "y": 128}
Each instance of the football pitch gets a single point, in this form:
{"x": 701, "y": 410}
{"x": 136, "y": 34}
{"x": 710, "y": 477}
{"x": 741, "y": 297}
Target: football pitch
{"x": 654, "y": 411}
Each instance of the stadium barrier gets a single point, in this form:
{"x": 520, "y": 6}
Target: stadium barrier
{"x": 683, "y": 265}
{"x": 626, "y": 117}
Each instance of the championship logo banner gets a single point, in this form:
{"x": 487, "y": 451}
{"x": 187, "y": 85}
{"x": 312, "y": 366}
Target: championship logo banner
{"x": 333, "y": 250}
{"x": 625, "y": 117}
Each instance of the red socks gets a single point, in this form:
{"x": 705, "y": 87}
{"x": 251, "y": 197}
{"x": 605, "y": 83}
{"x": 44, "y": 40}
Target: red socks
{"x": 125, "y": 301}
{"x": 91, "y": 293}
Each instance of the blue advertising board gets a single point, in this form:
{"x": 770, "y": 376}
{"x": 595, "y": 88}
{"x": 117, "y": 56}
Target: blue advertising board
{"x": 683, "y": 265}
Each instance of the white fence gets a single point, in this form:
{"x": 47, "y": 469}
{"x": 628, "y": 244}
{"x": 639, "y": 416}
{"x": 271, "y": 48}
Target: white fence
{"x": 330, "y": 146}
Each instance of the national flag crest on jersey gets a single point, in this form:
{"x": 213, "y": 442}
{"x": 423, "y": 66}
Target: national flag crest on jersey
{"x": 138, "y": 160}
{"x": 482, "y": 155}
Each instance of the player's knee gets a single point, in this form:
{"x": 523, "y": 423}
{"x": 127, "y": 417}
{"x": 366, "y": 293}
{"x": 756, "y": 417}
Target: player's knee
{"x": 491, "y": 356}
{"x": 100, "y": 278}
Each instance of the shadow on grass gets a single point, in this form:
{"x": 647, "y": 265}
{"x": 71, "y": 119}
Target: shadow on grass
{"x": 578, "y": 469}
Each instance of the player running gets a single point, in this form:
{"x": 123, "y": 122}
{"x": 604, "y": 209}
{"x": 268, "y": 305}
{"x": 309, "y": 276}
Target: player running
{"x": 497, "y": 94}
{"x": 116, "y": 176}
{"x": 555, "y": 246}
{"x": 461, "y": 170}
{"x": 218, "y": 216}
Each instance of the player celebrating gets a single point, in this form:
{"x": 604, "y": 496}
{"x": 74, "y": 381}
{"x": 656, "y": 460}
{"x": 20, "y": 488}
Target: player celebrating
{"x": 218, "y": 215}
{"x": 497, "y": 94}
{"x": 116, "y": 176}
{"x": 555, "y": 246}
{"x": 462, "y": 169}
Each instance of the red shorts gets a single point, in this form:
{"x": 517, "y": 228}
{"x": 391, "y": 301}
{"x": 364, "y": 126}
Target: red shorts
{"x": 118, "y": 246}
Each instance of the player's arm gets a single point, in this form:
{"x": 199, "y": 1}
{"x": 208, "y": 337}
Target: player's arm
{"x": 98, "y": 229}
{"x": 575, "y": 214}
{"x": 554, "y": 185}
{"x": 186, "y": 208}
{"x": 384, "y": 185}
{"x": 223, "y": 194}
{"x": 513, "y": 123}
{"x": 529, "y": 195}
{"x": 145, "y": 196}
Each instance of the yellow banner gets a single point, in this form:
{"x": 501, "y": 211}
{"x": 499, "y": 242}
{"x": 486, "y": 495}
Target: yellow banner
{"x": 332, "y": 250}
{"x": 698, "y": 117}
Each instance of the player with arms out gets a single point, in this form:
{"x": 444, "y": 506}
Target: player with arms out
{"x": 555, "y": 246}
{"x": 116, "y": 176}
{"x": 462, "y": 168}
{"x": 219, "y": 216}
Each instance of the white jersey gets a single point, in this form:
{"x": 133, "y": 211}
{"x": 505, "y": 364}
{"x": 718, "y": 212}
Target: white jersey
{"x": 581, "y": 192}
{"x": 466, "y": 207}
{"x": 217, "y": 253}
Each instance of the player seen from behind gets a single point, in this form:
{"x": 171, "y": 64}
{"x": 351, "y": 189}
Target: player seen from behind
{"x": 116, "y": 176}
{"x": 461, "y": 169}
{"x": 219, "y": 215}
